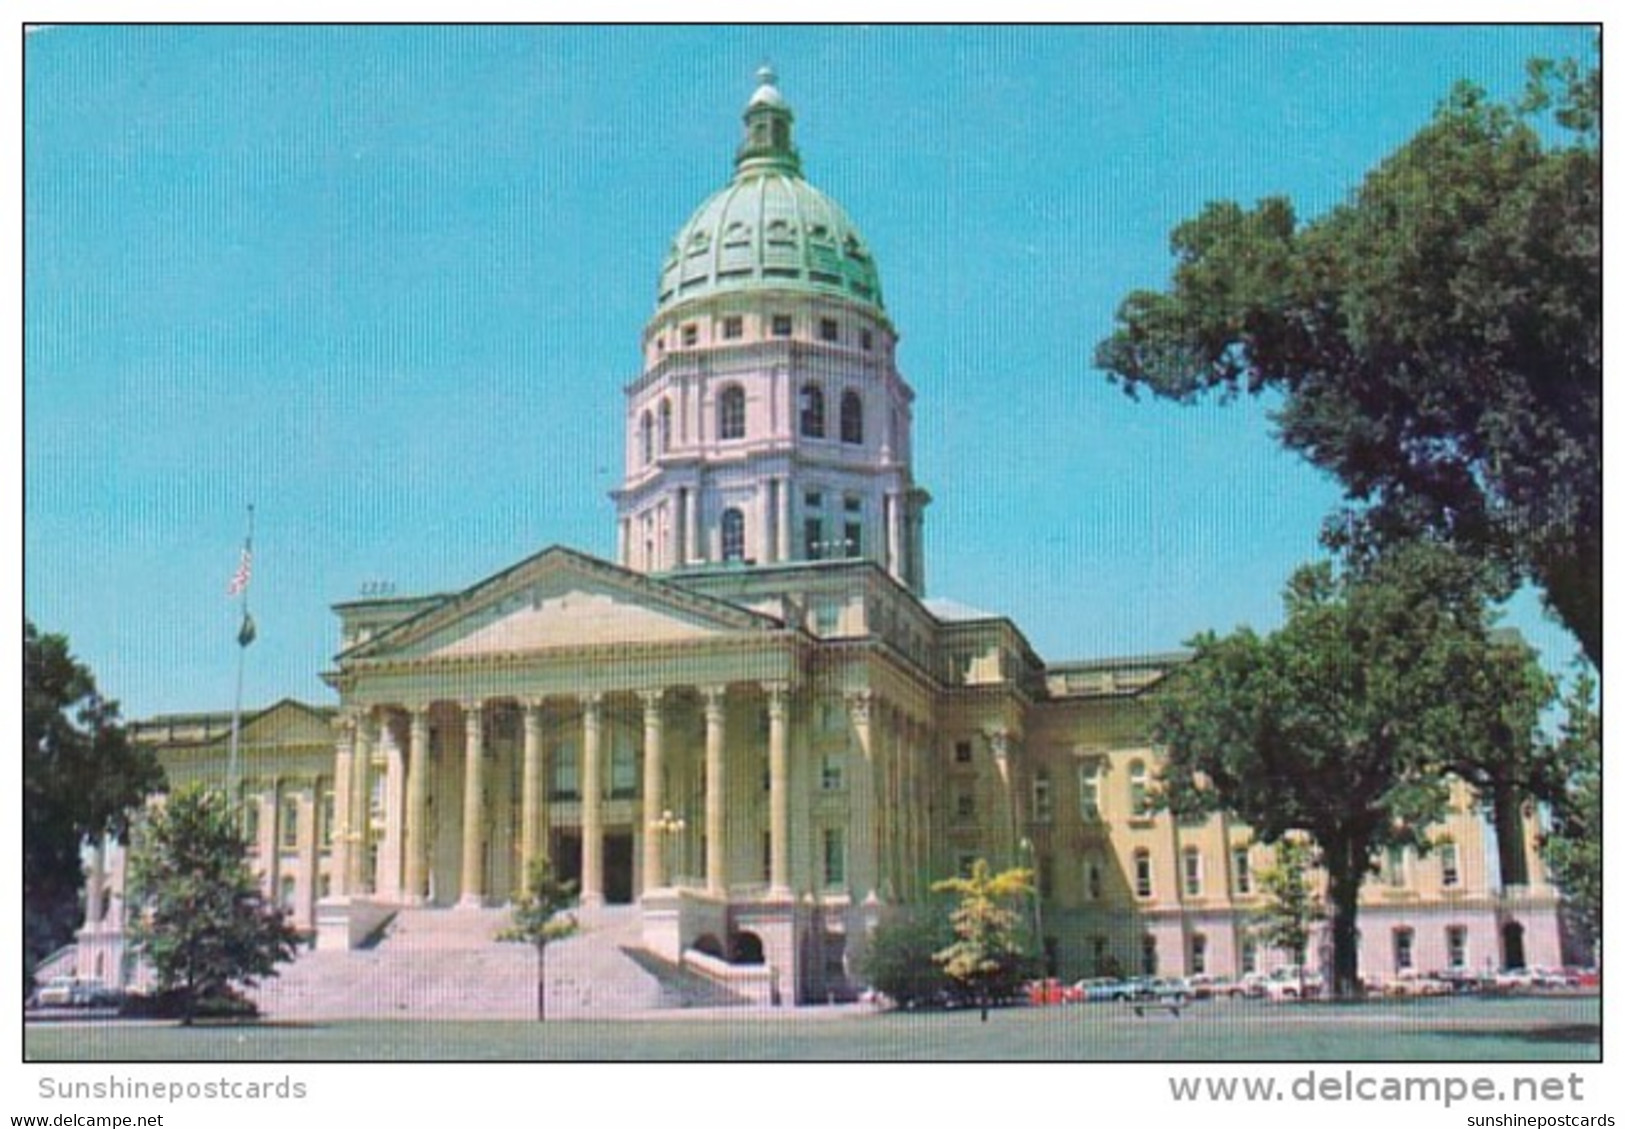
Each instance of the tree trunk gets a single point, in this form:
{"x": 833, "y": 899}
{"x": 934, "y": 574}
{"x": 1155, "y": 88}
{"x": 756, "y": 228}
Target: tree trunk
{"x": 541, "y": 983}
{"x": 1345, "y": 869}
{"x": 1509, "y": 836}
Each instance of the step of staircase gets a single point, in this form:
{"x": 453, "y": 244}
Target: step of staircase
{"x": 448, "y": 964}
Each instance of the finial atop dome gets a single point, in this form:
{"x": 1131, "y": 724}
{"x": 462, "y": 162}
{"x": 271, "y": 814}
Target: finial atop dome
{"x": 767, "y": 129}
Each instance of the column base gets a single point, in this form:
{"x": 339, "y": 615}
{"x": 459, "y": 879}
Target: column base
{"x": 471, "y": 901}
{"x": 591, "y": 900}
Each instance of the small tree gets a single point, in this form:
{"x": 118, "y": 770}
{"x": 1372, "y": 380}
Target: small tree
{"x": 203, "y": 923}
{"x": 1292, "y": 902}
{"x": 539, "y": 919}
{"x": 901, "y": 959}
{"x": 986, "y": 962}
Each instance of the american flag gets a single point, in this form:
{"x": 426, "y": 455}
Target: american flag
{"x": 244, "y": 573}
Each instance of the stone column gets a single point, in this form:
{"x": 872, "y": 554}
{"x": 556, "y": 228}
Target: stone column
{"x": 894, "y": 538}
{"x": 860, "y": 871}
{"x": 763, "y": 507}
{"x": 361, "y": 806}
{"x": 785, "y": 552}
{"x": 95, "y": 880}
{"x": 343, "y": 781}
{"x": 418, "y": 770}
{"x": 998, "y": 741}
{"x": 691, "y": 526}
{"x": 309, "y": 861}
{"x": 654, "y": 791}
{"x": 716, "y": 827}
{"x": 592, "y": 800}
{"x": 473, "y": 893}
{"x": 778, "y": 785}
{"x": 388, "y": 878}
{"x": 531, "y": 800}
{"x": 623, "y": 543}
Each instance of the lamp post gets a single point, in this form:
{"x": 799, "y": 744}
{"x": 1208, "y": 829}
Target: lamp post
{"x": 667, "y": 826}
{"x": 1027, "y": 848}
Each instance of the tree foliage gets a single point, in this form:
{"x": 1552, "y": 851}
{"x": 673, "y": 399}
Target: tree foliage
{"x": 81, "y": 777}
{"x": 987, "y": 960}
{"x": 1573, "y": 846}
{"x": 540, "y": 917}
{"x": 200, "y": 917}
{"x": 1292, "y": 905}
{"x": 900, "y": 961}
{"x": 1344, "y": 723}
{"x": 1436, "y": 341}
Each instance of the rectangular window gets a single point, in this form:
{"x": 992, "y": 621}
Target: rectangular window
{"x": 828, "y": 330}
{"x": 1043, "y": 801}
{"x": 1455, "y": 943}
{"x": 1449, "y": 866}
{"x": 288, "y": 886}
{"x": 325, "y": 816}
{"x": 1148, "y": 955}
{"x": 854, "y": 539}
{"x": 781, "y": 325}
{"x": 290, "y": 823}
{"x": 834, "y": 857}
{"x": 565, "y": 786}
{"x": 965, "y": 805}
{"x": 1193, "y": 872}
{"x": 623, "y": 769}
{"x": 814, "y": 499}
{"x": 1394, "y": 867}
{"x": 251, "y": 822}
{"x": 1241, "y": 869}
{"x": 1142, "y": 873}
{"x": 1404, "y": 950}
{"x": 691, "y": 335}
{"x": 967, "y": 863}
{"x": 1249, "y": 956}
{"x": 832, "y": 774}
{"x": 812, "y": 531}
{"x": 853, "y": 503}
{"x": 733, "y": 327}
{"x": 866, "y": 338}
{"x": 962, "y": 752}
{"x": 1092, "y": 880}
{"x": 1089, "y": 791}
{"x": 1198, "y": 954}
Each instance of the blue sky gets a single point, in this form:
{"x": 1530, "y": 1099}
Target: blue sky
{"x": 388, "y": 283}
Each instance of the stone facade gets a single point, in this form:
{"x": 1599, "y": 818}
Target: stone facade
{"x": 753, "y": 724}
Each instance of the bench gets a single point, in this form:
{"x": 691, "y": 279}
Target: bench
{"x": 1172, "y": 1007}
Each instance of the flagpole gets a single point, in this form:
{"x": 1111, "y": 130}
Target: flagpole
{"x": 232, "y": 785}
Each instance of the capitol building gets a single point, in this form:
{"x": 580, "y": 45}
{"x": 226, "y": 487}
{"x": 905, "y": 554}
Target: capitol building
{"x": 753, "y": 728}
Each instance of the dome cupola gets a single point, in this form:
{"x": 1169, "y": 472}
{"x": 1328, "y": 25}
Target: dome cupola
{"x": 769, "y": 229}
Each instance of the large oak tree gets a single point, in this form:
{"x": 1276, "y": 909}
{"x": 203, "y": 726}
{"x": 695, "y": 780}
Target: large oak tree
{"x": 1436, "y": 341}
{"x": 1347, "y": 722}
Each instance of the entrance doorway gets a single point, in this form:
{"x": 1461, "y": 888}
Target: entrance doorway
{"x": 1512, "y": 945}
{"x": 618, "y": 868}
{"x": 567, "y": 856}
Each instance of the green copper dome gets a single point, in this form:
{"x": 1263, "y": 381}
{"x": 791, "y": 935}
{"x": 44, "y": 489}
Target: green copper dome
{"x": 769, "y": 229}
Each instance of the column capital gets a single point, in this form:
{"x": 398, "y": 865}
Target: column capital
{"x": 472, "y": 707}
{"x": 416, "y": 710}
{"x": 592, "y": 705}
{"x": 778, "y": 697}
{"x": 652, "y": 700}
{"x": 715, "y": 697}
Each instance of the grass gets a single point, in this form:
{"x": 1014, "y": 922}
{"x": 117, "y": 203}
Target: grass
{"x": 1517, "y": 1030}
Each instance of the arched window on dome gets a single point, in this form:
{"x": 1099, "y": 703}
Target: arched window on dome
{"x": 646, "y": 437}
{"x": 665, "y": 426}
{"x": 812, "y": 411}
{"x": 733, "y": 535}
{"x": 851, "y": 417}
{"x": 731, "y": 413}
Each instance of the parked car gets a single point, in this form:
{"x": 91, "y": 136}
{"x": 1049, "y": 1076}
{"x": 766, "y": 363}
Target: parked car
{"x": 1041, "y": 993}
{"x": 69, "y": 991}
{"x": 1289, "y": 983}
{"x": 1205, "y": 986}
{"x": 1166, "y": 989}
{"x": 1413, "y": 983}
{"x": 1100, "y": 989}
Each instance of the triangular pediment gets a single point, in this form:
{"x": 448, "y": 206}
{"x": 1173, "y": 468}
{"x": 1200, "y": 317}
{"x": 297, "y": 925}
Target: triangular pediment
{"x": 559, "y": 599}
{"x": 288, "y": 722}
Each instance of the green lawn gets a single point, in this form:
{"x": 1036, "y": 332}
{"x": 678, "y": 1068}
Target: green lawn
{"x": 1448, "y": 1029}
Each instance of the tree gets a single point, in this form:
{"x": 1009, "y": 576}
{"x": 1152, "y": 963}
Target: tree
{"x": 81, "y": 777}
{"x": 986, "y": 960}
{"x": 201, "y": 918}
{"x": 540, "y": 918}
{"x": 1292, "y": 906}
{"x": 1436, "y": 341}
{"x": 1573, "y": 846}
{"x": 900, "y": 961}
{"x": 1342, "y": 723}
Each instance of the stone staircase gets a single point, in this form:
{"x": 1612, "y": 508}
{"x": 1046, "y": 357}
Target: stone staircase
{"x": 447, "y": 964}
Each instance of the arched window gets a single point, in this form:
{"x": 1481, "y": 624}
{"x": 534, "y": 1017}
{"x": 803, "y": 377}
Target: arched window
{"x": 851, "y": 417}
{"x": 665, "y": 426}
{"x": 646, "y": 437}
{"x": 733, "y": 535}
{"x": 731, "y": 413}
{"x": 812, "y": 411}
{"x": 1142, "y": 873}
